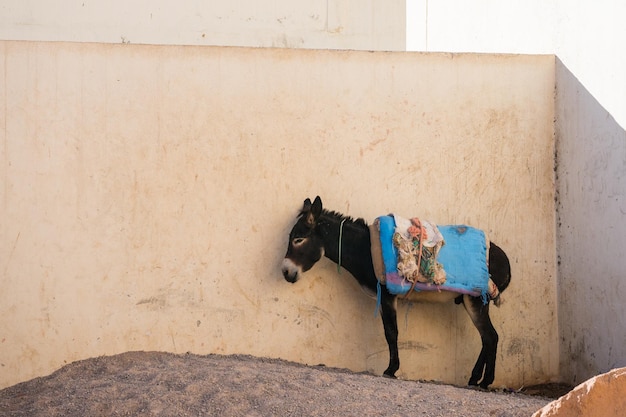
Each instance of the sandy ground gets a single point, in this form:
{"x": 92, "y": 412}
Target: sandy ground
{"x": 164, "y": 384}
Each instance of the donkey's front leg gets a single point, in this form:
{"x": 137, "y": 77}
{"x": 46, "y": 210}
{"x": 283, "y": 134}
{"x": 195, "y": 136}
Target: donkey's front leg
{"x": 390, "y": 323}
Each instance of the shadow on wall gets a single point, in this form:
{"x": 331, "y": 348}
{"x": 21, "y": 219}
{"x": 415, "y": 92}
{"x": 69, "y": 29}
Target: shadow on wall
{"x": 591, "y": 211}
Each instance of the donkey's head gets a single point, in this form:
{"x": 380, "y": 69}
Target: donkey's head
{"x": 306, "y": 246}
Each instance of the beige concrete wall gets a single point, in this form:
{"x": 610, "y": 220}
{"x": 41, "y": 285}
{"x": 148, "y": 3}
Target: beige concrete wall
{"x": 147, "y": 192}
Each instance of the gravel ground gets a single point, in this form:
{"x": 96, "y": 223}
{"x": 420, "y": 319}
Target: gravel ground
{"x": 164, "y": 384}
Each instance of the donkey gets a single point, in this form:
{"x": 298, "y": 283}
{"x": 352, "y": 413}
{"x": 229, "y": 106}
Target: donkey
{"x": 346, "y": 241}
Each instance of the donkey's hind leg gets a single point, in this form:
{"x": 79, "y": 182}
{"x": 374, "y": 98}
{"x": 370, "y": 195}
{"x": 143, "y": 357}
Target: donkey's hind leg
{"x": 479, "y": 313}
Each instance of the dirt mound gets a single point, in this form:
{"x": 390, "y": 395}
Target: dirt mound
{"x": 164, "y": 384}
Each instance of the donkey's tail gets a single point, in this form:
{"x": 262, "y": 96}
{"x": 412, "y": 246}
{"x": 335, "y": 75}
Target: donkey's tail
{"x": 499, "y": 271}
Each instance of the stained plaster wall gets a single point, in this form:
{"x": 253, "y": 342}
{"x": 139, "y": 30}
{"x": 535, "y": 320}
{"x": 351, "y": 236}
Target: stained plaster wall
{"x": 591, "y": 213}
{"x": 148, "y": 191}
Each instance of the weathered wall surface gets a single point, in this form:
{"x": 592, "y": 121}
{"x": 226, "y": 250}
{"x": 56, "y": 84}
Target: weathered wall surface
{"x": 147, "y": 192}
{"x": 591, "y": 169}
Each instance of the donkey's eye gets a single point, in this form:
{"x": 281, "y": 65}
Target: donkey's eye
{"x": 298, "y": 241}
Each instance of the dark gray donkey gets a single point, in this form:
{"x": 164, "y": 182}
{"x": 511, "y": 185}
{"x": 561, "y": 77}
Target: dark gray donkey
{"x": 316, "y": 234}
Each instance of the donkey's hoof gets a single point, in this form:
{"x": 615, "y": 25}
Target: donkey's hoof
{"x": 477, "y": 386}
{"x": 389, "y": 375}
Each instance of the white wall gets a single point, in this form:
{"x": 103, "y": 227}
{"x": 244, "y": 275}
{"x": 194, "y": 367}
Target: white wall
{"x": 324, "y": 24}
{"x": 589, "y": 40}
{"x": 588, "y": 37}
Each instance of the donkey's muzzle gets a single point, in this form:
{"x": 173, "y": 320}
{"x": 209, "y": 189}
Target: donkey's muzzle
{"x": 291, "y": 271}
{"x": 289, "y": 277}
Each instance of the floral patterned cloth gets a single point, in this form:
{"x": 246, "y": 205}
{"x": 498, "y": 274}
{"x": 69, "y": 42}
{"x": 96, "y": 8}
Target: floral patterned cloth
{"x": 418, "y": 243}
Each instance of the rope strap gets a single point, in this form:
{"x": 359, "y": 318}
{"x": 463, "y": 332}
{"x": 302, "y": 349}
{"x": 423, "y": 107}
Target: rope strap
{"x": 340, "y": 238}
{"x": 378, "y": 298}
{"x": 419, "y": 257}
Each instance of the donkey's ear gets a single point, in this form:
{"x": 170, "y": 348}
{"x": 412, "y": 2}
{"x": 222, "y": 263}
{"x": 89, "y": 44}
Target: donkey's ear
{"x": 317, "y": 207}
{"x": 315, "y": 211}
{"x": 306, "y": 206}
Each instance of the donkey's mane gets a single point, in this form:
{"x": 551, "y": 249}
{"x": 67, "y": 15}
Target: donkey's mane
{"x": 341, "y": 217}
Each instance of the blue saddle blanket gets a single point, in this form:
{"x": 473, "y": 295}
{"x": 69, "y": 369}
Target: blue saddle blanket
{"x": 463, "y": 257}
